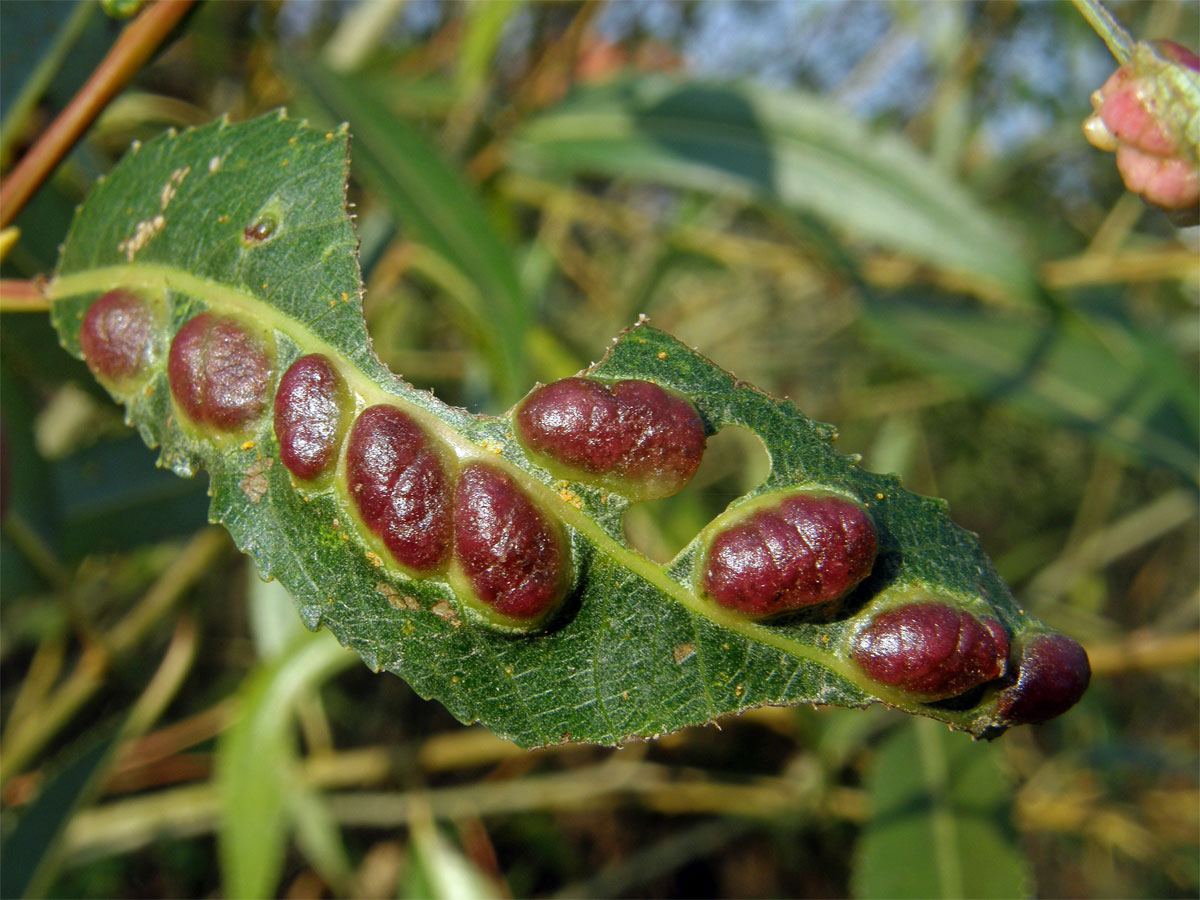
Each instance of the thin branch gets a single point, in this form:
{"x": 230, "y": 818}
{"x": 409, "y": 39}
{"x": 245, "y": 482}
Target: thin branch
{"x": 17, "y": 295}
{"x": 1145, "y": 651}
{"x": 1119, "y": 41}
{"x": 22, "y": 740}
{"x": 136, "y": 44}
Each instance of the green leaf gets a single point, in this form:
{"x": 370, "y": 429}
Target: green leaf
{"x": 256, "y": 774}
{"x": 438, "y": 870}
{"x": 29, "y": 851}
{"x": 1106, "y": 377}
{"x": 636, "y": 651}
{"x": 781, "y": 147}
{"x": 941, "y": 822}
{"x": 432, "y": 202}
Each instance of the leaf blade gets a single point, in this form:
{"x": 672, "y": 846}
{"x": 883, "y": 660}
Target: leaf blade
{"x": 637, "y": 651}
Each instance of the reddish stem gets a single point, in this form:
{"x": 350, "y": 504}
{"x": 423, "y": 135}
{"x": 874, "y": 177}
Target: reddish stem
{"x": 21, "y": 296}
{"x": 134, "y": 46}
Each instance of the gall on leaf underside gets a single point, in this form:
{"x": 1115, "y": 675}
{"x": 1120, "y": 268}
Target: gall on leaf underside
{"x": 633, "y": 648}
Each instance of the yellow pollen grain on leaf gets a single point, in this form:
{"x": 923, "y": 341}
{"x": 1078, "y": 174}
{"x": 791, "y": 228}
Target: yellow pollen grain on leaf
{"x": 566, "y": 495}
{"x": 329, "y": 135}
{"x": 337, "y": 524}
{"x": 345, "y": 297}
{"x": 283, "y": 164}
{"x": 222, "y": 219}
{"x": 737, "y": 692}
{"x": 249, "y": 445}
{"x": 508, "y": 670}
{"x": 291, "y": 140}
{"x": 879, "y": 496}
{"x": 662, "y": 354}
{"x": 374, "y": 559}
{"x": 624, "y": 695}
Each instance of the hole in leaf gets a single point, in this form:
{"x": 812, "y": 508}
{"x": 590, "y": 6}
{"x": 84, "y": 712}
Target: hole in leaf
{"x": 735, "y": 462}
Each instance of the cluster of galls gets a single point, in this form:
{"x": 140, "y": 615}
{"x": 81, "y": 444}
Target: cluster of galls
{"x": 1145, "y": 114}
{"x": 468, "y": 522}
{"x": 472, "y": 524}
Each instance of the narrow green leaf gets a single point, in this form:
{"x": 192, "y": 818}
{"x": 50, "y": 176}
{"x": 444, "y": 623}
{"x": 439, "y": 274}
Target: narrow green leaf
{"x": 256, "y": 762}
{"x": 319, "y": 836}
{"x": 780, "y": 147}
{"x": 28, "y": 852}
{"x": 1105, "y": 377}
{"x": 484, "y": 26}
{"x": 434, "y": 204}
{"x": 638, "y": 649}
{"x": 438, "y": 870}
{"x": 941, "y": 823}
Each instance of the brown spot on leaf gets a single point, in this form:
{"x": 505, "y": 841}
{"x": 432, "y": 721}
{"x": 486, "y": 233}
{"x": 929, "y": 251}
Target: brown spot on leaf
{"x": 389, "y": 593}
{"x": 684, "y": 652}
{"x": 395, "y": 599}
{"x": 254, "y": 485}
{"x": 443, "y": 610}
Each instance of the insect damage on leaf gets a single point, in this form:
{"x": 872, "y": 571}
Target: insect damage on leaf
{"x": 483, "y": 559}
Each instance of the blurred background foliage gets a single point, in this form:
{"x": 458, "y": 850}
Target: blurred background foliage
{"x": 884, "y": 211}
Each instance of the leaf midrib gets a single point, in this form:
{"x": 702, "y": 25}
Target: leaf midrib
{"x": 155, "y": 276}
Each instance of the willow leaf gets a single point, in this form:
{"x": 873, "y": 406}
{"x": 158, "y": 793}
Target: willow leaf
{"x": 636, "y": 650}
{"x": 782, "y": 147}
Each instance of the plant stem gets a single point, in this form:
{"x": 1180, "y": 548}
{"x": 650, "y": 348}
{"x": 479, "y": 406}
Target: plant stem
{"x": 135, "y": 45}
{"x": 49, "y": 65}
{"x": 17, "y": 295}
{"x": 1120, "y": 42}
{"x": 25, "y": 738}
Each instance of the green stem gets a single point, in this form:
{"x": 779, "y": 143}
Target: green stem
{"x": 1120, "y": 42}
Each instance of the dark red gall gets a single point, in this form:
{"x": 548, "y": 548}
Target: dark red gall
{"x": 399, "y": 483}
{"x": 638, "y": 438}
{"x": 515, "y": 559}
{"x": 1051, "y": 676}
{"x": 258, "y": 231}
{"x": 118, "y": 335}
{"x": 311, "y": 407}
{"x": 808, "y": 549}
{"x": 931, "y": 650}
{"x": 220, "y": 372}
